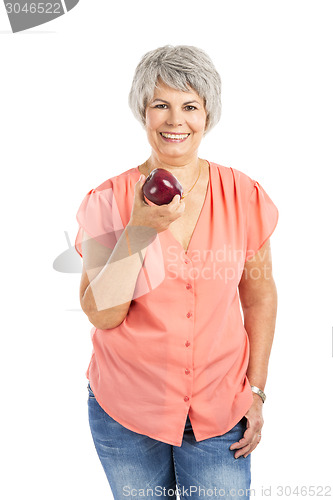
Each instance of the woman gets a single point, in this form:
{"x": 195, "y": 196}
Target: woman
{"x": 176, "y": 377}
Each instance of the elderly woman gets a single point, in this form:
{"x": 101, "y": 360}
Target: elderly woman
{"x": 177, "y": 374}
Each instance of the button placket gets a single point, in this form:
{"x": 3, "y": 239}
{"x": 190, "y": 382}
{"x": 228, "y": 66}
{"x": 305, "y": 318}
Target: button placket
{"x": 189, "y": 303}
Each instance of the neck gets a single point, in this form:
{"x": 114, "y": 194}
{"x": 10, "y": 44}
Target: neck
{"x": 186, "y": 172}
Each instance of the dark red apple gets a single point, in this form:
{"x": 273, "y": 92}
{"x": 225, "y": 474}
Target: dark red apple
{"x": 161, "y": 186}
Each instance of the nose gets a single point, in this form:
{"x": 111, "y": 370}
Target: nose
{"x": 175, "y": 118}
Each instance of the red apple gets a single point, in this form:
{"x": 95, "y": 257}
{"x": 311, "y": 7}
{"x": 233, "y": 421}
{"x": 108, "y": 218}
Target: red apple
{"x": 161, "y": 186}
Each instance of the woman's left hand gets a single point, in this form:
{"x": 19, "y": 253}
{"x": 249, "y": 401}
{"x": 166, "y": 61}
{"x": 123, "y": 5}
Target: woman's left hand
{"x": 252, "y": 435}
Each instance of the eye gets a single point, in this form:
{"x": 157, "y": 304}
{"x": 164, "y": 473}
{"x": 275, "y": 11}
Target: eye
{"x": 159, "y": 106}
{"x": 189, "y": 106}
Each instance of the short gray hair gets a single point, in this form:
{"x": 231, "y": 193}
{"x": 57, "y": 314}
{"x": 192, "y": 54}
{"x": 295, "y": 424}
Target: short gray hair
{"x": 178, "y": 67}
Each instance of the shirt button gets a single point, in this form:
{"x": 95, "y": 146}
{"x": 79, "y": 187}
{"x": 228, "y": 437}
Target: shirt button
{"x": 189, "y": 314}
{"x": 187, "y": 343}
{"x": 188, "y": 286}
{"x": 187, "y": 371}
{"x": 186, "y": 398}
{"x": 186, "y": 261}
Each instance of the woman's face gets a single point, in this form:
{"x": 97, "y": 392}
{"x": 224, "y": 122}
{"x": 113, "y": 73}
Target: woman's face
{"x": 181, "y": 114}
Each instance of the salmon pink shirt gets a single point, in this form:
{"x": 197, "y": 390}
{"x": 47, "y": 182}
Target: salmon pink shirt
{"x": 182, "y": 348}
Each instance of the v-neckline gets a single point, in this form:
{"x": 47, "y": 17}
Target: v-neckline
{"x": 195, "y": 230}
{"x": 168, "y": 232}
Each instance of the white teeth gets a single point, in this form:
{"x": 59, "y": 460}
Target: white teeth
{"x": 175, "y": 136}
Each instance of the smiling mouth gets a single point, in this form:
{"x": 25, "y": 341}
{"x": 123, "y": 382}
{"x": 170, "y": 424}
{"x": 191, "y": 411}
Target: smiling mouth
{"x": 174, "y": 137}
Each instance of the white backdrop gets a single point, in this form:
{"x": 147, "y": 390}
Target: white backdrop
{"x": 66, "y": 127}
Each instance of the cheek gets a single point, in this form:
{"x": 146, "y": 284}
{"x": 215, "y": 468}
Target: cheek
{"x": 198, "y": 123}
{"x": 153, "y": 119}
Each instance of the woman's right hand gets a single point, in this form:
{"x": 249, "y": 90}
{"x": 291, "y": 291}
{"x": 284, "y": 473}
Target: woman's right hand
{"x": 159, "y": 217}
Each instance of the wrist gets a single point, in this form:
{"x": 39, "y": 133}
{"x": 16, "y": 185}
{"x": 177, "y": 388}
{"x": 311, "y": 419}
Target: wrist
{"x": 259, "y": 392}
{"x": 257, "y": 398}
{"x": 139, "y": 237}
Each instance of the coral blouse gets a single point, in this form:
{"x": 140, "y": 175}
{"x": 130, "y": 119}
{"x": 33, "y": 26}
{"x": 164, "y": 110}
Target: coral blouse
{"x": 182, "y": 348}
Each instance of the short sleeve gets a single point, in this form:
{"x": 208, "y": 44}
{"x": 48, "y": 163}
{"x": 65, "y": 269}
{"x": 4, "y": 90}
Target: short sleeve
{"x": 262, "y": 217}
{"x": 99, "y": 217}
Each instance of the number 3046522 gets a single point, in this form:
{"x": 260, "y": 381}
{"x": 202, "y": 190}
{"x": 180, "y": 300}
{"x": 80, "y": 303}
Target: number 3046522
{"x": 33, "y": 8}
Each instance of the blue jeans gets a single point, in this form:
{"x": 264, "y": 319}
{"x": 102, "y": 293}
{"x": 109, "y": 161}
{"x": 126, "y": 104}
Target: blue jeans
{"x": 138, "y": 466}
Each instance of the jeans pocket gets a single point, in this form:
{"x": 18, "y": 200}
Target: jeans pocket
{"x": 91, "y": 394}
{"x": 242, "y": 423}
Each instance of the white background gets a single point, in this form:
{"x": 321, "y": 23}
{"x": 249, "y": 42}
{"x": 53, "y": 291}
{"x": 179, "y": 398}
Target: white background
{"x": 66, "y": 127}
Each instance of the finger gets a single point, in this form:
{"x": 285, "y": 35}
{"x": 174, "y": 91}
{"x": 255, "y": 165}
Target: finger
{"x": 247, "y": 449}
{"x": 138, "y": 188}
{"x": 245, "y": 440}
{"x": 178, "y": 203}
{"x": 175, "y": 200}
{"x": 141, "y": 181}
{"x": 249, "y": 435}
{"x": 240, "y": 444}
{"x": 251, "y": 446}
{"x": 250, "y": 451}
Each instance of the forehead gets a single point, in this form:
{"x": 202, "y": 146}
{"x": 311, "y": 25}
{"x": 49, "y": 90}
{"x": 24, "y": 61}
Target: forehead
{"x": 163, "y": 91}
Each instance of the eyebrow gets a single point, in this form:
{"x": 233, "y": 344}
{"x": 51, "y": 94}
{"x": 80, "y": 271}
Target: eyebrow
{"x": 184, "y": 103}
